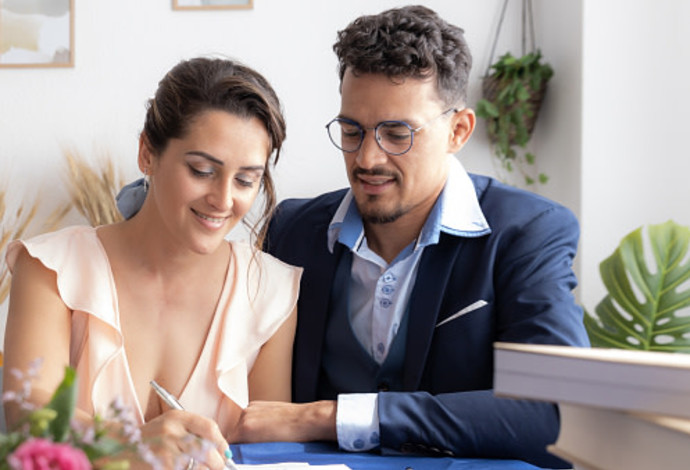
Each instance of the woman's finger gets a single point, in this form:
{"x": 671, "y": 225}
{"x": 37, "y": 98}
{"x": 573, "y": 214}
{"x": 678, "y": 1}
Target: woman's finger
{"x": 184, "y": 435}
{"x": 208, "y": 430}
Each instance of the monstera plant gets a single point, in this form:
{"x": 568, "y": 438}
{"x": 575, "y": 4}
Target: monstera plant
{"x": 648, "y": 302}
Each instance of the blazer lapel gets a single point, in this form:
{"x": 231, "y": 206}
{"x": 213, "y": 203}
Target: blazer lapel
{"x": 425, "y": 303}
{"x": 313, "y": 312}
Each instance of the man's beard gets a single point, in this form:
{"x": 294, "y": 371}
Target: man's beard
{"x": 380, "y": 217}
{"x": 375, "y": 215}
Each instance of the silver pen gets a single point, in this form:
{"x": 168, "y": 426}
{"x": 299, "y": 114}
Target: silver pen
{"x": 172, "y": 402}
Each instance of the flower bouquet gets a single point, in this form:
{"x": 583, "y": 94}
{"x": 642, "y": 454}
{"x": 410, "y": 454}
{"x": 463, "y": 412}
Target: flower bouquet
{"x": 49, "y": 438}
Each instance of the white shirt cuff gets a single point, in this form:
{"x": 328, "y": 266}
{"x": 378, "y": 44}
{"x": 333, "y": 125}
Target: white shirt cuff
{"x": 357, "y": 421}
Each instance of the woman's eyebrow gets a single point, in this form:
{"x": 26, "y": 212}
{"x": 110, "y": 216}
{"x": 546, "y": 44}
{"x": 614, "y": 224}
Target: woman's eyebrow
{"x": 253, "y": 168}
{"x": 213, "y": 159}
{"x": 206, "y": 156}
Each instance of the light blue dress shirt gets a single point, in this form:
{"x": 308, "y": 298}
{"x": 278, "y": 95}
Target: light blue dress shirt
{"x": 379, "y": 292}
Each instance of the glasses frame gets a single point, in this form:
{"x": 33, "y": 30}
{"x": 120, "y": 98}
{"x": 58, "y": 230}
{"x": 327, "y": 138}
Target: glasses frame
{"x": 363, "y": 130}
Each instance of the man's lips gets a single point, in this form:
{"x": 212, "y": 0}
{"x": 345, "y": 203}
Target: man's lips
{"x": 374, "y": 182}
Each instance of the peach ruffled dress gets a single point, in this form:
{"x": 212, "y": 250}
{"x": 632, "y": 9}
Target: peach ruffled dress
{"x": 256, "y": 299}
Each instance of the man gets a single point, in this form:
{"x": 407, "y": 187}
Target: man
{"x": 414, "y": 272}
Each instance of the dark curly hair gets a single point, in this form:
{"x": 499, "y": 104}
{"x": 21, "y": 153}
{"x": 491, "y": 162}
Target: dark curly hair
{"x": 412, "y": 41}
{"x": 202, "y": 84}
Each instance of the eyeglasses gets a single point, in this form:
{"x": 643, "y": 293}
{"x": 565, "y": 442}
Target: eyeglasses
{"x": 393, "y": 137}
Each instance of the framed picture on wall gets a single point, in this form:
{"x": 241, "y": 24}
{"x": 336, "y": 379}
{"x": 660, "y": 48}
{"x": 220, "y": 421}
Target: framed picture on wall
{"x": 212, "y": 4}
{"x": 36, "y": 33}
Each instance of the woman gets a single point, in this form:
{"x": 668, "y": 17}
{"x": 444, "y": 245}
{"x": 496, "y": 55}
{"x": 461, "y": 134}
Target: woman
{"x": 163, "y": 296}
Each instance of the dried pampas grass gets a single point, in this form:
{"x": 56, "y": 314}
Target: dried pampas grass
{"x": 13, "y": 226}
{"x": 92, "y": 191}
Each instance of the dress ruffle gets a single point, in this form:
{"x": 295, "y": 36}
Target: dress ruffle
{"x": 258, "y": 295}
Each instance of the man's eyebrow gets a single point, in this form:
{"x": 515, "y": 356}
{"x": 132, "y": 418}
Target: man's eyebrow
{"x": 206, "y": 156}
{"x": 406, "y": 121}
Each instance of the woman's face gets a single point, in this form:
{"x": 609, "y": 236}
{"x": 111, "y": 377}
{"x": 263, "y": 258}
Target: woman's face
{"x": 204, "y": 183}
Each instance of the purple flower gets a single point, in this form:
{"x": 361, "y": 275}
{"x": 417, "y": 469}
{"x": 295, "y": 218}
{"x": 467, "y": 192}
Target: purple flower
{"x": 42, "y": 454}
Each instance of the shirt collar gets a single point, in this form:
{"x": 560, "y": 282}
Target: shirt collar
{"x": 456, "y": 212}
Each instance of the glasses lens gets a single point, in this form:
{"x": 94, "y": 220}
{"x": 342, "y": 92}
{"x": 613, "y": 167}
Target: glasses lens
{"x": 394, "y": 137}
{"x": 345, "y": 135}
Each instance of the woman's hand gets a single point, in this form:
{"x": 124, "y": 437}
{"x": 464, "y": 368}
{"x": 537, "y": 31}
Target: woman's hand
{"x": 176, "y": 436}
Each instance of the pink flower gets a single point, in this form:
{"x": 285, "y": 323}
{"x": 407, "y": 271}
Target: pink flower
{"x": 42, "y": 454}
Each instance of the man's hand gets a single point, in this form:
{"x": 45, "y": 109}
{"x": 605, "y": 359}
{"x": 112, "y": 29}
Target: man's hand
{"x": 266, "y": 421}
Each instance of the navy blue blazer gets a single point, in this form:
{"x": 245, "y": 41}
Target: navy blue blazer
{"x": 522, "y": 270}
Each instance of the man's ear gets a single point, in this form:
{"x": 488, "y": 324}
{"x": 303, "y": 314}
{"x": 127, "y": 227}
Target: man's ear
{"x": 462, "y": 123}
{"x": 145, "y": 158}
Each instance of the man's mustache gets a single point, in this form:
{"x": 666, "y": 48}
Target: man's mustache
{"x": 375, "y": 172}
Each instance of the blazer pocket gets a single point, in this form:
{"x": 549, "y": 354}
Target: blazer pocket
{"x": 470, "y": 308}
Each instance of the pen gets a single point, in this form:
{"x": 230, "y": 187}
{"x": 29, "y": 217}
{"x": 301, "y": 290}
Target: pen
{"x": 172, "y": 402}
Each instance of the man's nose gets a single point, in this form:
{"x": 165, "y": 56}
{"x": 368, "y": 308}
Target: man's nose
{"x": 370, "y": 153}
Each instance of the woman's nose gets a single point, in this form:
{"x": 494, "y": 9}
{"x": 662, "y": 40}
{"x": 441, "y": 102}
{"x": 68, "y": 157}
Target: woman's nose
{"x": 221, "y": 196}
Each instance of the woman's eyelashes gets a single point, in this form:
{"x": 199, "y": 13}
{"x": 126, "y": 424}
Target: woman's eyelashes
{"x": 250, "y": 178}
{"x": 246, "y": 180}
{"x": 201, "y": 172}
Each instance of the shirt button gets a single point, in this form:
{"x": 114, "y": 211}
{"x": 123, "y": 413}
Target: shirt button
{"x": 380, "y": 348}
{"x": 389, "y": 277}
{"x": 387, "y": 289}
{"x": 407, "y": 448}
{"x": 385, "y": 303}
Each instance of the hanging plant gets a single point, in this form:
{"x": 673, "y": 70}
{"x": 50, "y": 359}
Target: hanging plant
{"x": 512, "y": 97}
{"x": 513, "y": 89}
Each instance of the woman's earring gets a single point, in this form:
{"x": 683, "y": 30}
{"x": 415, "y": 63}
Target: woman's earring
{"x": 146, "y": 182}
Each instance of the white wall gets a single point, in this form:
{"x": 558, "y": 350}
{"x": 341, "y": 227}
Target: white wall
{"x": 610, "y": 134}
{"x": 124, "y": 47}
{"x": 635, "y": 166}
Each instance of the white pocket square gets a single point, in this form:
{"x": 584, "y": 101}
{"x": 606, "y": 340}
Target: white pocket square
{"x": 468, "y": 309}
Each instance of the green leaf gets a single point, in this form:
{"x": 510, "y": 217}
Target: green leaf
{"x": 521, "y": 92}
{"x": 105, "y": 446}
{"x": 529, "y": 157}
{"x": 39, "y": 421}
{"x": 486, "y": 109}
{"x": 543, "y": 179}
{"x": 643, "y": 304}
{"x": 64, "y": 401}
{"x": 116, "y": 465}
{"x": 8, "y": 443}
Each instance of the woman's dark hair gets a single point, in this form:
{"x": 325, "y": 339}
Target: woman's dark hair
{"x": 203, "y": 84}
{"x": 412, "y": 41}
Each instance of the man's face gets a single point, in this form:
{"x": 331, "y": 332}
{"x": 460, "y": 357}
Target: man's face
{"x": 389, "y": 187}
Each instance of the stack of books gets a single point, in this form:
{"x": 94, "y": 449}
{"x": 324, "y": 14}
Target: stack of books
{"x": 620, "y": 409}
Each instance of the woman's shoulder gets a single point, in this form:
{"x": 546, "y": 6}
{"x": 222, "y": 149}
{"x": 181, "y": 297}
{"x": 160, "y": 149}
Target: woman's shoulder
{"x": 54, "y": 247}
{"x": 270, "y": 284}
